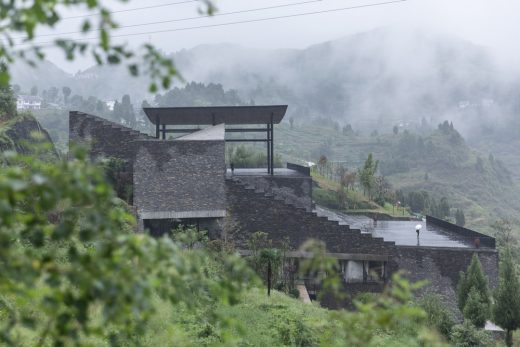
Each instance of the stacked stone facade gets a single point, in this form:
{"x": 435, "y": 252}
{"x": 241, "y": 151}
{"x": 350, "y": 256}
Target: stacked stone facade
{"x": 180, "y": 179}
{"x": 250, "y": 211}
{"x": 186, "y": 180}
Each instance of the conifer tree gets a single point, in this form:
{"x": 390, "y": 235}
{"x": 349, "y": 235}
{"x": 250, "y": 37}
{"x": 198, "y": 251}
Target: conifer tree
{"x": 506, "y": 311}
{"x": 460, "y": 219}
{"x": 473, "y": 278}
{"x": 475, "y": 309}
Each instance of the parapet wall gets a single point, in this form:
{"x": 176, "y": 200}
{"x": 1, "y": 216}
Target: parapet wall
{"x": 485, "y": 240}
{"x": 304, "y": 170}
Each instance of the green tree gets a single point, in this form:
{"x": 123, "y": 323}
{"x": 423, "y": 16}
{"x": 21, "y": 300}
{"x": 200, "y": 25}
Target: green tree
{"x": 269, "y": 259}
{"x": 199, "y": 94}
{"x": 7, "y": 103}
{"x": 34, "y": 91}
{"x": 347, "y": 129}
{"x": 460, "y": 219}
{"x": 66, "y": 93}
{"x": 474, "y": 278}
{"x": 506, "y": 309}
{"x": 475, "y": 309}
{"x": 189, "y": 237}
{"x": 396, "y": 130}
{"x": 71, "y": 267}
{"x": 504, "y": 235}
{"x": 52, "y": 94}
{"x": 124, "y": 112}
{"x": 322, "y": 164}
{"x": 367, "y": 174}
{"x": 444, "y": 208}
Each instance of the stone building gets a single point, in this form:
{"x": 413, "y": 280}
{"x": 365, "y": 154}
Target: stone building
{"x": 184, "y": 180}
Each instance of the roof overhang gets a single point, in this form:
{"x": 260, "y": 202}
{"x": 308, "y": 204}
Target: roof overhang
{"x": 216, "y": 115}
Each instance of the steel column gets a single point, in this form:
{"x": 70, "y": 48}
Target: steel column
{"x": 164, "y": 131}
{"x": 157, "y": 121}
{"x": 268, "y": 149}
{"x": 272, "y": 145}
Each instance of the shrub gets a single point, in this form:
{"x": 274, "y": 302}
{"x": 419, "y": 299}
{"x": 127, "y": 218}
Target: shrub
{"x": 437, "y": 314}
{"x": 467, "y": 335}
{"x": 87, "y": 275}
{"x": 295, "y": 293}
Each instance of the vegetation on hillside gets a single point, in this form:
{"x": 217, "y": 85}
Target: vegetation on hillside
{"x": 438, "y": 162}
{"x": 72, "y": 271}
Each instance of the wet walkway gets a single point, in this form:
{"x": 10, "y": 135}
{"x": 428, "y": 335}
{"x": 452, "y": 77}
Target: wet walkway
{"x": 401, "y": 232}
{"x": 263, "y": 172}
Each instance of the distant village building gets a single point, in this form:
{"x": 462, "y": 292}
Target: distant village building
{"x": 86, "y": 76}
{"x": 110, "y": 104}
{"x": 28, "y": 102}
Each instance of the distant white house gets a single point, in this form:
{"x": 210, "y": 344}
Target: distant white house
{"x": 110, "y": 104}
{"x": 28, "y": 102}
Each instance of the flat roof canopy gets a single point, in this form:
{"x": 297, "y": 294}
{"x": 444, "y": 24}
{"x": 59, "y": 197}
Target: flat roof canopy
{"x": 216, "y": 115}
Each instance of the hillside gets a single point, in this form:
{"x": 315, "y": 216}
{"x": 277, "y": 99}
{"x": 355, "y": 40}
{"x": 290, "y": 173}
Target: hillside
{"x": 22, "y": 132}
{"x": 439, "y": 162}
{"x": 369, "y": 81}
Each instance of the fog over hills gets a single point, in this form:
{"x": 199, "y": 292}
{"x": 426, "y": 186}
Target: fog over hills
{"x": 373, "y": 79}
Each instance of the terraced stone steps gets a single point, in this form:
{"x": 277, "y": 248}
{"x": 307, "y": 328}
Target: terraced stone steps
{"x": 324, "y": 220}
{"x": 131, "y": 132}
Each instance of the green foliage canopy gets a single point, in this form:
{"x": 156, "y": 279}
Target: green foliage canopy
{"x": 71, "y": 266}
{"x": 21, "y": 21}
{"x": 474, "y": 280}
{"x": 506, "y": 310}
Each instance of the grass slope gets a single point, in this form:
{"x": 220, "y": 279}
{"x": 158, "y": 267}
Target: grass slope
{"x": 439, "y": 162}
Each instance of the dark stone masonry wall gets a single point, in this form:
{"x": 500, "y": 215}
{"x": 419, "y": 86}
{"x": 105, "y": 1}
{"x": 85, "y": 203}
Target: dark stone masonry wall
{"x": 441, "y": 267}
{"x": 294, "y": 190}
{"x": 249, "y": 211}
{"x": 105, "y": 139}
{"x": 180, "y": 176}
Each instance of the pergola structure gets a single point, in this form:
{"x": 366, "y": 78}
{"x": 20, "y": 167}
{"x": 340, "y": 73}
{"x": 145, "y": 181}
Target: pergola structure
{"x": 264, "y": 117}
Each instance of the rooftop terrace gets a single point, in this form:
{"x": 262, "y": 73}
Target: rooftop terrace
{"x": 403, "y": 232}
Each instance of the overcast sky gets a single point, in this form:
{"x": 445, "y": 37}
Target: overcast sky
{"x": 491, "y": 23}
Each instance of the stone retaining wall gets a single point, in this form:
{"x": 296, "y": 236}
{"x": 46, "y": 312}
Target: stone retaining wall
{"x": 296, "y": 190}
{"x": 250, "y": 211}
{"x": 441, "y": 267}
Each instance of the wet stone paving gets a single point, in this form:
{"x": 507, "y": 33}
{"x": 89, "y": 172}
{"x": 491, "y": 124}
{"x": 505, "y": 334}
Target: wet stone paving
{"x": 403, "y": 233}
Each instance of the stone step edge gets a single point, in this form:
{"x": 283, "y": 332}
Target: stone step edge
{"x": 324, "y": 218}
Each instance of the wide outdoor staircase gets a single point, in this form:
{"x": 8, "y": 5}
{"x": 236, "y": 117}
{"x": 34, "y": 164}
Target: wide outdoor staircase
{"x": 137, "y": 135}
{"x": 325, "y": 221}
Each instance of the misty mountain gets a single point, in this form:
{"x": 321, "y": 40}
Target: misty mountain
{"x": 378, "y": 77}
{"x": 372, "y": 80}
